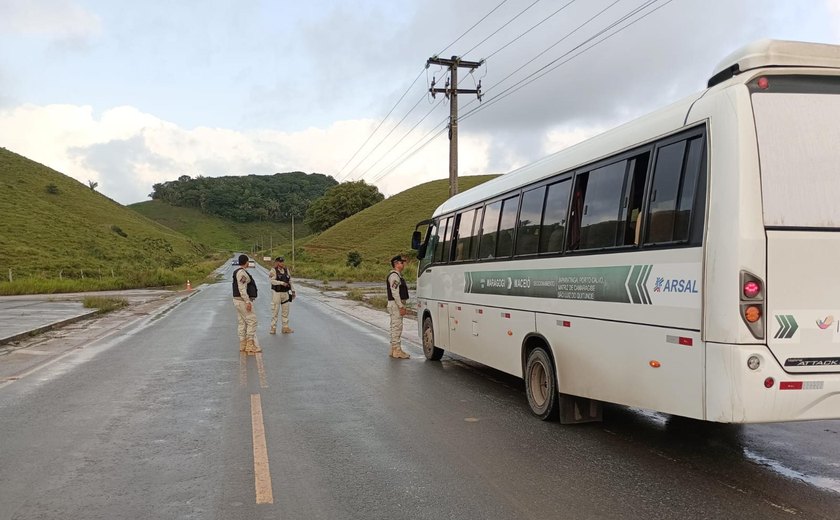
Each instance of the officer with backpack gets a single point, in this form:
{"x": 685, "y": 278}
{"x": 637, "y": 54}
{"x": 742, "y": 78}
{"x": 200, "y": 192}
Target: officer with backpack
{"x": 244, "y": 294}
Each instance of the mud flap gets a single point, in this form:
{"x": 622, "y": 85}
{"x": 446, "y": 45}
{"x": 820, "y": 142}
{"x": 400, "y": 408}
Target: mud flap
{"x": 576, "y": 410}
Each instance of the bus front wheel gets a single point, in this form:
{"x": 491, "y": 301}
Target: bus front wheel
{"x": 431, "y": 352}
{"x": 541, "y": 384}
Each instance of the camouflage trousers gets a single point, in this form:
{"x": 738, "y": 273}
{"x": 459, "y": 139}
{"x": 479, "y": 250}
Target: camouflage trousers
{"x": 396, "y": 323}
{"x": 247, "y": 320}
{"x": 279, "y": 300}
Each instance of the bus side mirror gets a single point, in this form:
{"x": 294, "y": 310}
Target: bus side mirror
{"x": 415, "y": 240}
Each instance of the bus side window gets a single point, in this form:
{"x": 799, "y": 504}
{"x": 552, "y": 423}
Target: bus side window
{"x": 601, "y": 206}
{"x": 530, "y": 218}
{"x": 553, "y": 229}
{"x": 439, "y": 241}
{"x": 634, "y": 189}
{"x": 447, "y": 240}
{"x": 576, "y": 211}
{"x": 688, "y": 189}
{"x": 464, "y": 236}
{"x": 473, "y": 252}
{"x": 489, "y": 230}
{"x": 507, "y": 224}
{"x": 431, "y": 244}
{"x": 672, "y": 196}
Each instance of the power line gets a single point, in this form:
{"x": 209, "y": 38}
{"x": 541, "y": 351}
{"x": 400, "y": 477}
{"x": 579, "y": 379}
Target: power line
{"x": 473, "y": 27}
{"x": 533, "y": 77}
{"x": 391, "y": 167}
{"x": 409, "y": 89}
{"x": 369, "y": 168}
{"x": 529, "y": 30}
{"x": 381, "y": 122}
{"x": 349, "y": 173}
{"x": 503, "y": 26}
{"x": 545, "y": 69}
{"x": 558, "y": 42}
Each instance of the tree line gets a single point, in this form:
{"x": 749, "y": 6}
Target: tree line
{"x": 246, "y": 198}
{"x": 319, "y": 198}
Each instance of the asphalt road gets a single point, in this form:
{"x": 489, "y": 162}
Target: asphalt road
{"x": 166, "y": 420}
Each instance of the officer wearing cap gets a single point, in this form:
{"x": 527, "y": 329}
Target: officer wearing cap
{"x": 397, "y": 298}
{"x": 244, "y": 293}
{"x": 282, "y": 293}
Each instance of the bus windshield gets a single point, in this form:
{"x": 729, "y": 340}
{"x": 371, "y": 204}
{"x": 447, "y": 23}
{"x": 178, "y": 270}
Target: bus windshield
{"x": 796, "y": 125}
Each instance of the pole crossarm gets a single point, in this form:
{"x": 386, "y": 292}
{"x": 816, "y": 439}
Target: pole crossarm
{"x": 454, "y": 60}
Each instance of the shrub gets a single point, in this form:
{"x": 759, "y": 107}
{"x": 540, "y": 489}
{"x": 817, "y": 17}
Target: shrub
{"x": 116, "y": 229}
{"x": 379, "y": 302}
{"x": 356, "y": 294}
{"x": 104, "y": 304}
{"x": 354, "y": 259}
{"x": 52, "y": 189}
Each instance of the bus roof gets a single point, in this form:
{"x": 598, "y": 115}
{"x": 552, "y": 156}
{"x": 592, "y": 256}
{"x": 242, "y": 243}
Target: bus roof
{"x": 763, "y": 53}
{"x": 624, "y": 137}
{"x": 776, "y": 53}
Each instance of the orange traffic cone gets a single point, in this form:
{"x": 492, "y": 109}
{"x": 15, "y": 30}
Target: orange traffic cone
{"x": 189, "y": 286}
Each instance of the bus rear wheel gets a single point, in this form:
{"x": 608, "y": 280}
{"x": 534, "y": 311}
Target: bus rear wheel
{"x": 431, "y": 352}
{"x": 541, "y": 384}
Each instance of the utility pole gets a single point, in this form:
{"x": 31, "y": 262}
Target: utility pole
{"x": 451, "y": 91}
{"x": 293, "y": 241}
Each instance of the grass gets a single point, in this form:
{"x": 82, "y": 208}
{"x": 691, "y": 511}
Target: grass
{"x": 51, "y": 283}
{"x": 58, "y": 235}
{"x": 374, "y": 298}
{"x": 104, "y": 305}
{"x": 377, "y": 233}
{"x": 218, "y": 233}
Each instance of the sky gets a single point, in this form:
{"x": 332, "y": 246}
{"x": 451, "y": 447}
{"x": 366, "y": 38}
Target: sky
{"x": 130, "y": 94}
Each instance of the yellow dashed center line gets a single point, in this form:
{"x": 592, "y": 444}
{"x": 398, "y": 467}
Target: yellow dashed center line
{"x": 261, "y": 370}
{"x": 262, "y": 475}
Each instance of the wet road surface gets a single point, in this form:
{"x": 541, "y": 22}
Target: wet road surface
{"x": 167, "y": 420}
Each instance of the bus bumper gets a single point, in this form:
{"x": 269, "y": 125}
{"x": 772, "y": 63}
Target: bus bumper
{"x": 737, "y": 394}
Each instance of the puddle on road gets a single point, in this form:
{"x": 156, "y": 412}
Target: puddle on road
{"x": 828, "y": 483}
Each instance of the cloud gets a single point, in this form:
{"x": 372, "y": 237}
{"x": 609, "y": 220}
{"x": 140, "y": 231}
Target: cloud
{"x": 306, "y": 97}
{"x": 60, "y": 20}
{"x": 833, "y": 7}
{"x": 127, "y": 151}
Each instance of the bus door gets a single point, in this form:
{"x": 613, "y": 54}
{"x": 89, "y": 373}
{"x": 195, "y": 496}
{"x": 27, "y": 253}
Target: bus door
{"x": 444, "y": 325}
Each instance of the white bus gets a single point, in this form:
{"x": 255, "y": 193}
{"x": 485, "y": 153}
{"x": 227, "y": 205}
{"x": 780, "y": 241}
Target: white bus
{"x": 687, "y": 262}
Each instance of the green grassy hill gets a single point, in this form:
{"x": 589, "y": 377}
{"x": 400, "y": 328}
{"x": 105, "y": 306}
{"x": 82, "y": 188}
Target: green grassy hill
{"x": 377, "y": 233}
{"x": 218, "y": 233}
{"x": 55, "y": 228}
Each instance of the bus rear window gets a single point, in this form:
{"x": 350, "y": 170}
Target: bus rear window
{"x": 796, "y": 124}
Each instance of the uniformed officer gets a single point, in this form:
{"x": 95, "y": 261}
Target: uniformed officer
{"x": 244, "y": 294}
{"x": 282, "y": 293}
{"x": 397, "y": 298}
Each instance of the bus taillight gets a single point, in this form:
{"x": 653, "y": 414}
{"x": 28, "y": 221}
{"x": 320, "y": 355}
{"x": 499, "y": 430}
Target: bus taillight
{"x": 751, "y": 289}
{"x": 752, "y": 303}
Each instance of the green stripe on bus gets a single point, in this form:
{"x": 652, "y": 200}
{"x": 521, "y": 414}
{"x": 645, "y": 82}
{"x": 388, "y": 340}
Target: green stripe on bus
{"x": 619, "y": 284}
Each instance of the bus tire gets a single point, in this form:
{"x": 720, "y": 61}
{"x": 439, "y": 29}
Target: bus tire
{"x": 431, "y": 352}
{"x": 541, "y": 384}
